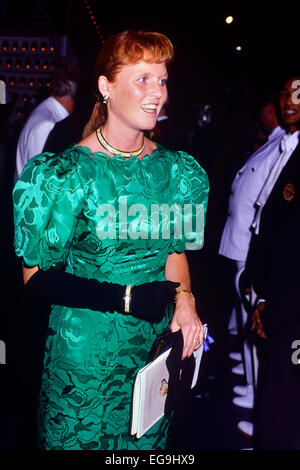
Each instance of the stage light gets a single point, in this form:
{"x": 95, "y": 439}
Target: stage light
{"x": 229, "y": 19}
{"x": 93, "y": 19}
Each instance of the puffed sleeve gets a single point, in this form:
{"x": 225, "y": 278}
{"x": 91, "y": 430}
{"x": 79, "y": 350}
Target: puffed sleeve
{"x": 47, "y": 200}
{"x": 192, "y": 192}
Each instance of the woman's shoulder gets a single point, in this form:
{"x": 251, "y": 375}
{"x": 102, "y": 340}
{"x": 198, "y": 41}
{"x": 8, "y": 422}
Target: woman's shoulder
{"x": 69, "y": 161}
{"x": 186, "y": 162}
{"x": 178, "y": 156}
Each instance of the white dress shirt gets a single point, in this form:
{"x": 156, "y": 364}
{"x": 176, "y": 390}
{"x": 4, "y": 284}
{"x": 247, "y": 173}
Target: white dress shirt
{"x": 245, "y": 190}
{"x": 36, "y": 130}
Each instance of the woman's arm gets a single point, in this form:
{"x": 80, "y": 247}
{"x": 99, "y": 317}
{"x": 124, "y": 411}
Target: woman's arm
{"x": 28, "y": 272}
{"x": 146, "y": 301}
{"x": 185, "y": 315}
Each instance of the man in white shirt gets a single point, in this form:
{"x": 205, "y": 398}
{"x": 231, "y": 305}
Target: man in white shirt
{"x": 250, "y": 190}
{"x": 272, "y": 272}
{"x": 236, "y": 235}
{"x": 43, "y": 118}
{"x": 245, "y": 189}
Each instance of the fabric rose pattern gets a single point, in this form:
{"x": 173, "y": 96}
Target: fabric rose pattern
{"x": 74, "y": 211}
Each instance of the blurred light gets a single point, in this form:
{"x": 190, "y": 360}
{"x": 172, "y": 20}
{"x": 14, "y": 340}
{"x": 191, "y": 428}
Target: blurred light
{"x": 229, "y": 19}
{"x": 238, "y": 48}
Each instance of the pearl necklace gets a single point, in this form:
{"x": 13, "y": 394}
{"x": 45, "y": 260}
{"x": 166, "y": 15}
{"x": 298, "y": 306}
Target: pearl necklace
{"x": 115, "y": 151}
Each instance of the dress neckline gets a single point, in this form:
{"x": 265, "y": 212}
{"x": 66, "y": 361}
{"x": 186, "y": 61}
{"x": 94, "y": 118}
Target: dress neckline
{"x": 87, "y": 149}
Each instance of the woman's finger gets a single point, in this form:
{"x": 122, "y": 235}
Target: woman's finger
{"x": 193, "y": 338}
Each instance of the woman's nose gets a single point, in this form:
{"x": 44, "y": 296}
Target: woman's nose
{"x": 157, "y": 90}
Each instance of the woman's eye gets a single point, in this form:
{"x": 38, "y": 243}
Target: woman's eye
{"x": 142, "y": 79}
{"x": 163, "y": 82}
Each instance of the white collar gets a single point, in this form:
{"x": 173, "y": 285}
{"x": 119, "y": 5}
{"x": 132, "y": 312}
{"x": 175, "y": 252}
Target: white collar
{"x": 290, "y": 141}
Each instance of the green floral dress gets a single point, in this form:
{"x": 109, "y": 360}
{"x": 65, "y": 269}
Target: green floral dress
{"x": 74, "y": 210}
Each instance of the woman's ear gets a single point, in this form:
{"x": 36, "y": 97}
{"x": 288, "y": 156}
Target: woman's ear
{"x": 103, "y": 85}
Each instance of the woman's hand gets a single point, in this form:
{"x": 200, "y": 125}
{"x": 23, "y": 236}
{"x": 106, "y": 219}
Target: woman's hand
{"x": 186, "y": 319}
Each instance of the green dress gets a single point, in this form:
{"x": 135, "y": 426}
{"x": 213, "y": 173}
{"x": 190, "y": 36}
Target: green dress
{"x": 70, "y": 212}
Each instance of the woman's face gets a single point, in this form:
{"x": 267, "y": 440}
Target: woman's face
{"x": 137, "y": 95}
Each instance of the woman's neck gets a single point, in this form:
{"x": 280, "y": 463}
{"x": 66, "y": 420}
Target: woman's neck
{"x": 122, "y": 138}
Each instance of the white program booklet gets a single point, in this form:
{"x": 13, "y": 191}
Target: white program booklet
{"x": 151, "y": 389}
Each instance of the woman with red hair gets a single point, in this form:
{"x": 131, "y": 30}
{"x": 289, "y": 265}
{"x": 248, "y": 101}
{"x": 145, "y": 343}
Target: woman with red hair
{"x": 88, "y": 230}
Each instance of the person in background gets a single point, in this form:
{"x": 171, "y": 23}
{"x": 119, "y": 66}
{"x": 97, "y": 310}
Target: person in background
{"x": 236, "y": 237}
{"x": 113, "y": 288}
{"x": 272, "y": 273}
{"x": 57, "y": 106}
{"x": 70, "y": 129}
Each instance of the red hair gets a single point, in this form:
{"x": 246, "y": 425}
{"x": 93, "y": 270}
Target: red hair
{"x": 128, "y": 47}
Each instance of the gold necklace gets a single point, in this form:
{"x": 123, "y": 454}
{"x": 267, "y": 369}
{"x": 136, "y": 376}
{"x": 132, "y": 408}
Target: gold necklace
{"x": 115, "y": 151}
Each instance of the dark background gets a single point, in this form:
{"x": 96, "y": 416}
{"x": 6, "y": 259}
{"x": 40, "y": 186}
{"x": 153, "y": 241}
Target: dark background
{"x": 207, "y": 66}
{"x": 207, "y": 70}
